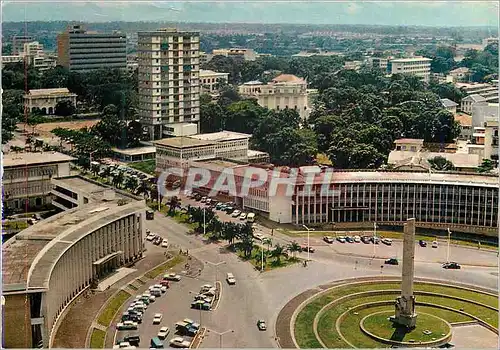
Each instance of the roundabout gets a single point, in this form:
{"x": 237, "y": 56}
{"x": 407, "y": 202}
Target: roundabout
{"x": 355, "y": 314}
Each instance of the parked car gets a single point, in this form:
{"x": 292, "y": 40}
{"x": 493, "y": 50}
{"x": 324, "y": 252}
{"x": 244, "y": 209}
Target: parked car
{"x": 172, "y": 277}
{"x": 422, "y": 243}
{"x": 200, "y": 304}
{"x": 261, "y": 325}
{"x": 165, "y": 283}
{"x": 392, "y": 261}
{"x": 243, "y": 216}
{"x": 163, "y": 333}
{"x": 357, "y": 239}
{"x": 341, "y": 239}
{"x": 387, "y": 241}
{"x": 150, "y": 237}
{"x": 164, "y": 243}
{"x": 349, "y": 239}
{"x": 203, "y": 199}
{"x": 434, "y": 244}
{"x": 236, "y": 213}
{"x": 328, "y": 239}
{"x": 127, "y": 325}
{"x": 206, "y": 288}
{"x": 229, "y": 209}
{"x": 133, "y": 339}
{"x": 230, "y": 279}
{"x": 163, "y": 289}
{"x": 179, "y": 342}
{"x": 375, "y": 240}
{"x": 366, "y": 239}
{"x": 157, "y": 318}
{"x": 451, "y": 266}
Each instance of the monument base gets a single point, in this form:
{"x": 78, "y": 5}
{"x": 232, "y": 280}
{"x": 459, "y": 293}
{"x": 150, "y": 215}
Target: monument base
{"x": 408, "y": 321}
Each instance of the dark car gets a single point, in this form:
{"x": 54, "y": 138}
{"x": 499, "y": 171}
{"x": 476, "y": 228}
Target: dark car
{"x": 392, "y": 261}
{"x": 304, "y": 249}
{"x": 366, "y": 239}
{"x": 328, "y": 239}
{"x": 451, "y": 266}
{"x": 375, "y": 240}
{"x": 422, "y": 243}
{"x": 349, "y": 239}
{"x": 134, "y": 339}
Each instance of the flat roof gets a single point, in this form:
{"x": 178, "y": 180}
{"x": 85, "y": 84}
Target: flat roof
{"x": 206, "y": 72}
{"x": 222, "y": 136}
{"x": 28, "y": 257}
{"x": 413, "y": 59}
{"x": 182, "y": 142}
{"x": 223, "y": 163}
{"x": 80, "y": 184}
{"x": 29, "y": 158}
{"x": 55, "y": 91}
{"x": 419, "y": 141}
{"x": 136, "y": 151}
{"x": 252, "y": 152}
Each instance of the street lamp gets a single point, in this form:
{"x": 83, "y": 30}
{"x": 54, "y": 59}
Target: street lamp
{"x": 216, "y": 265}
{"x": 308, "y": 240}
{"x": 448, "y": 251}
{"x": 220, "y": 334}
{"x": 374, "y": 237}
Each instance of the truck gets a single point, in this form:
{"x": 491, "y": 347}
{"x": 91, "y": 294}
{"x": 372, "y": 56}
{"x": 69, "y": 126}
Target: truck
{"x": 156, "y": 343}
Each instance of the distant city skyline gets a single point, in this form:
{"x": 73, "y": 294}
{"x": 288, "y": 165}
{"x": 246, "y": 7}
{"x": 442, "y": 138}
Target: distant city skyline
{"x": 423, "y": 13}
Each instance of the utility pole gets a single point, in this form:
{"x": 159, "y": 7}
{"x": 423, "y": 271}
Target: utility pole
{"x": 204, "y": 223}
{"x": 308, "y": 240}
{"x": 374, "y": 237}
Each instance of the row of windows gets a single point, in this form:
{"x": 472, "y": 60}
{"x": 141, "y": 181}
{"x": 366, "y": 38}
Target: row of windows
{"x": 22, "y": 173}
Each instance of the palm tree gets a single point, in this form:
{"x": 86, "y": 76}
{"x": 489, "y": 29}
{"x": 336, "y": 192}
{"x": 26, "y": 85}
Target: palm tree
{"x": 247, "y": 245}
{"x": 130, "y": 183}
{"x": 293, "y": 248}
{"x": 215, "y": 227}
{"x": 278, "y": 252}
{"x": 229, "y": 231}
{"x": 95, "y": 169}
{"x": 106, "y": 173}
{"x": 173, "y": 203}
{"x": 267, "y": 241}
{"x": 143, "y": 189}
{"x": 118, "y": 179}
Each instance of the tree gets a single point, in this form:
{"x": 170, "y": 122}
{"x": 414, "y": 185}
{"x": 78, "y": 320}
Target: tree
{"x": 278, "y": 252}
{"x": 267, "y": 241}
{"x": 486, "y": 166}
{"x": 348, "y": 154}
{"x": 118, "y": 178}
{"x": 294, "y": 248}
{"x": 95, "y": 169}
{"x": 229, "y": 231}
{"x": 212, "y": 117}
{"x": 111, "y": 127}
{"x": 440, "y": 163}
{"x": 33, "y": 121}
{"x": 173, "y": 204}
{"x": 130, "y": 183}
{"x": 64, "y": 108}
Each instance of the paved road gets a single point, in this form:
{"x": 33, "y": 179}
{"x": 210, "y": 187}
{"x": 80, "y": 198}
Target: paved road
{"x": 258, "y": 295}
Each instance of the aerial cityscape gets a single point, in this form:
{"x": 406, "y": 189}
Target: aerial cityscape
{"x": 250, "y": 175}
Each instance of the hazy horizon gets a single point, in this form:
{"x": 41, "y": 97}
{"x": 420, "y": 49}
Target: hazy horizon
{"x": 428, "y": 14}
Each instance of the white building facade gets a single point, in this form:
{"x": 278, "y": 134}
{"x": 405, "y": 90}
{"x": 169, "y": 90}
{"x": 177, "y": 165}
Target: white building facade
{"x": 47, "y": 99}
{"x": 417, "y": 66}
{"x": 209, "y": 80}
{"x": 169, "y": 86}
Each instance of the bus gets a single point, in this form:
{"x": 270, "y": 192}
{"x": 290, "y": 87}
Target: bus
{"x": 251, "y": 217}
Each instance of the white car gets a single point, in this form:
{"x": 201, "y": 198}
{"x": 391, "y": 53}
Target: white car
{"x": 230, "y": 279}
{"x": 243, "y": 216}
{"x": 387, "y": 241}
{"x": 179, "y": 342}
{"x": 127, "y": 325}
{"x": 164, "y": 243}
{"x": 236, "y": 213}
{"x": 152, "y": 298}
{"x": 163, "y": 333}
{"x": 157, "y": 318}
{"x": 357, "y": 239}
{"x": 172, "y": 277}
{"x": 434, "y": 244}
{"x": 150, "y": 237}
{"x": 163, "y": 289}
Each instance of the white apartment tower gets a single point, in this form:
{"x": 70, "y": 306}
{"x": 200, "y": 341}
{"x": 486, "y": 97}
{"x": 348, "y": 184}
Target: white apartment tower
{"x": 169, "y": 86}
{"x": 418, "y": 66}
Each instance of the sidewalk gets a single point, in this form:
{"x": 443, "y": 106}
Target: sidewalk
{"x": 73, "y": 330}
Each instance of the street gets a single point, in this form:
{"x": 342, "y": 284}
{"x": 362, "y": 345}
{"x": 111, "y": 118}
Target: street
{"x": 261, "y": 296}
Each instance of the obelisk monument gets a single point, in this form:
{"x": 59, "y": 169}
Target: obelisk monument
{"x": 405, "y": 304}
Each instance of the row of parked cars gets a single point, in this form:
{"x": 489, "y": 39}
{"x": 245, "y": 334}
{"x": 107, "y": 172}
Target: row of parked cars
{"x": 229, "y": 207}
{"x": 358, "y": 239}
{"x": 205, "y": 299}
{"x": 156, "y": 239}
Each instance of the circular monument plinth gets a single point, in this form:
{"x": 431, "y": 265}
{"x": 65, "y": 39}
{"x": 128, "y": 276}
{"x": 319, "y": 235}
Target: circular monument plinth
{"x": 430, "y": 330}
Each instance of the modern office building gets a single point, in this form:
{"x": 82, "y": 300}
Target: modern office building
{"x": 485, "y": 139}
{"x": 417, "y": 66}
{"x": 169, "y": 86}
{"x": 48, "y": 265}
{"x": 18, "y": 42}
{"x": 461, "y": 202}
{"x": 482, "y": 110}
{"x": 27, "y": 177}
{"x": 209, "y": 80}
{"x": 227, "y": 145}
{"x": 47, "y": 99}
{"x": 284, "y": 91}
{"x": 81, "y": 50}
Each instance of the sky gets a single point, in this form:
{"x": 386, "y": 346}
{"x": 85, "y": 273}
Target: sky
{"x": 426, "y": 13}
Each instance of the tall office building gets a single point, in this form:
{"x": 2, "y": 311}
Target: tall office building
{"x": 81, "y": 50}
{"x": 417, "y": 66}
{"x": 169, "y": 86}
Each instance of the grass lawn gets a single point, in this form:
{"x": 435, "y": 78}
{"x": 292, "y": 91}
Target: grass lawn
{"x": 97, "y": 339}
{"x": 14, "y": 225}
{"x": 379, "y": 324}
{"x": 112, "y": 308}
{"x": 386, "y": 234}
{"x": 303, "y": 327}
{"x": 147, "y": 166}
{"x": 167, "y": 265}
